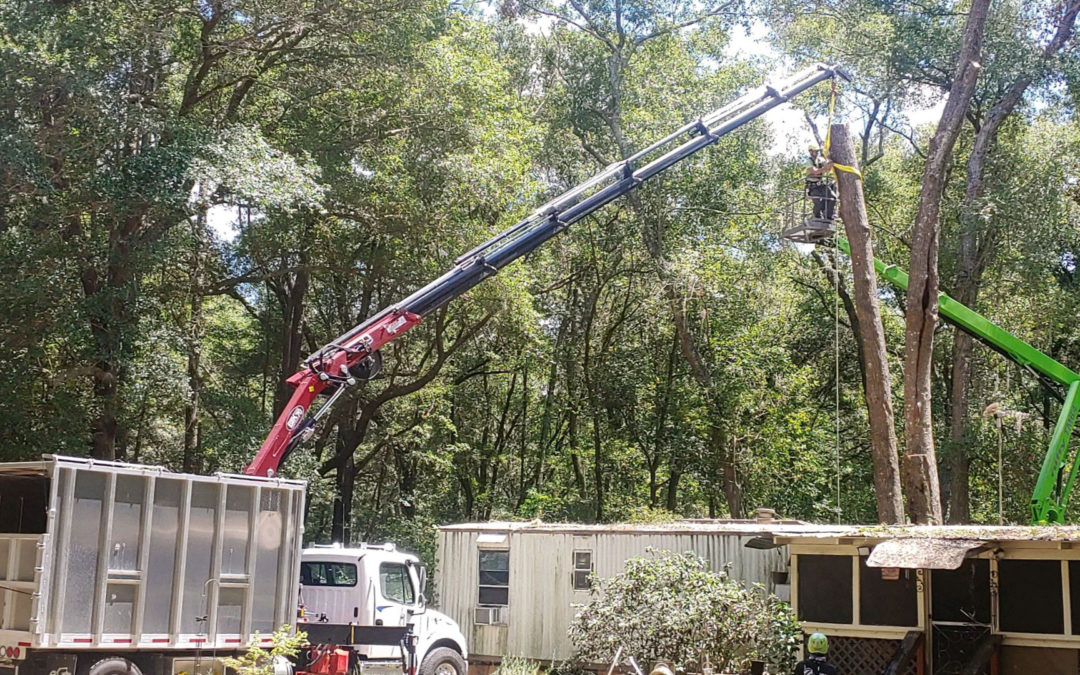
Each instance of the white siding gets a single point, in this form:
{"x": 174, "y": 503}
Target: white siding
{"x": 541, "y": 589}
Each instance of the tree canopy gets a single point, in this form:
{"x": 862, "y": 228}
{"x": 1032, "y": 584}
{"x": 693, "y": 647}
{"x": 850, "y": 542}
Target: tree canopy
{"x": 194, "y": 196}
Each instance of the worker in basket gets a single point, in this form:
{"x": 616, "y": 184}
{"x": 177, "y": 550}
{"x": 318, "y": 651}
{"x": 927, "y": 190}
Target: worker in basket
{"x": 816, "y": 663}
{"x": 819, "y": 186}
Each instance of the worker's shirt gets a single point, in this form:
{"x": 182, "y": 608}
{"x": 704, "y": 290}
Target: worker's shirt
{"x": 818, "y": 162}
{"x": 815, "y": 665}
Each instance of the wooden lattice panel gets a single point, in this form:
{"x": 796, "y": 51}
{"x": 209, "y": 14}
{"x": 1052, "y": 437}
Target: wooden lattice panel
{"x": 863, "y": 656}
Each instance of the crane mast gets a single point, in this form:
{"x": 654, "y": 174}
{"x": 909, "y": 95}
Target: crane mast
{"x": 354, "y": 355}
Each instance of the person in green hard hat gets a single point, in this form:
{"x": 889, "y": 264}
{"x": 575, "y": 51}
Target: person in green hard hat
{"x": 816, "y": 663}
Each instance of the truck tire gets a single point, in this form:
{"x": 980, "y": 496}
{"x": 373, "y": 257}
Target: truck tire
{"x": 443, "y": 661}
{"x": 114, "y": 665}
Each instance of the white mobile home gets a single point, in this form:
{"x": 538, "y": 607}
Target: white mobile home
{"x": 512, "y": 587}
{"x": 891, "y": 599}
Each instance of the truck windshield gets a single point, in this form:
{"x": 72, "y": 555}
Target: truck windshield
{"x": 327, "y": 574}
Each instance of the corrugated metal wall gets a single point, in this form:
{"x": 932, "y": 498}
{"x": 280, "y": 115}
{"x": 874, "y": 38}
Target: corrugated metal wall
{"x": 541, "y": 589}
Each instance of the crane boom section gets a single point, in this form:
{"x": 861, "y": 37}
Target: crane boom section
{"x": 1049, "y": 499}
{"x": 351, "y": 356}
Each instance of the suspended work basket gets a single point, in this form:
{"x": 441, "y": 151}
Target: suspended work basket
{"x": 800, "y": 225}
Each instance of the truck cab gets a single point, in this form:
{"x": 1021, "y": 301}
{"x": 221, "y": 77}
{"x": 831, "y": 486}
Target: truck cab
{"x": 377, "y": 585}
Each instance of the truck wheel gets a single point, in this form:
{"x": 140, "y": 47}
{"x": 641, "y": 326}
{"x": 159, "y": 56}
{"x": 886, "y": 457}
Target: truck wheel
{"x": 443, "y": 661}
{"x": 114, "y": 665}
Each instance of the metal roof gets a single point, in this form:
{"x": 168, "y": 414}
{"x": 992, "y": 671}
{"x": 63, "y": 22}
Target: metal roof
{"x": 696, "y": 526}
{"x": 786, "y": 531}
{"x": 982, "y": 533}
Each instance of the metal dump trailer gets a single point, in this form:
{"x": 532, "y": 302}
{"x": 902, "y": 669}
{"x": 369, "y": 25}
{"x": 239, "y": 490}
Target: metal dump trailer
{"x": 102, "y": 562}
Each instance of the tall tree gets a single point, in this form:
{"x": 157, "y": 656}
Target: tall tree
{"x": 976, "y": 249}
{"x": 877, "y": 382}
{"x": 624, "y": 41}
{"x": 920, "y": 464}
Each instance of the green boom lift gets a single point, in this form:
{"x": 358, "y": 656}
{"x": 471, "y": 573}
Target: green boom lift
{"x": 1049, "y": 501}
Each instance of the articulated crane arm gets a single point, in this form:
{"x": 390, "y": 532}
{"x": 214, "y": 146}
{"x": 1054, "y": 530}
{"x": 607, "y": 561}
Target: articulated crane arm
{"x": 1050, "y": 498}
{"x": 355, "y": 355}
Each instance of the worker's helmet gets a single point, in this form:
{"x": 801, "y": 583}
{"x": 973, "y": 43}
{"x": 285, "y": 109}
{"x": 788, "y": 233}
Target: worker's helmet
{"x": 818, "y": 644}
{"x": 815, "y": 148}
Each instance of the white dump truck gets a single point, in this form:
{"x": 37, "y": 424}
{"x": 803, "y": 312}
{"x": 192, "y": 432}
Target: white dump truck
{"x": 109, "y": 568}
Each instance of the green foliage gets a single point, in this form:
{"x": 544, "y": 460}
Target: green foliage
{"x": 258, "y": 660}
{"x": 516, "y": 665}
{"x": 671, "y": 607}
{"x": 194, "y": 197}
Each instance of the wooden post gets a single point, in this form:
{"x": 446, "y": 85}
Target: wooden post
{"x": 890, "y": 506}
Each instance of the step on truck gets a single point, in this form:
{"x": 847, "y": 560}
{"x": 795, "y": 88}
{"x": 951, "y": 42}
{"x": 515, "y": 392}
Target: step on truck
{"x": 109, "y": 568}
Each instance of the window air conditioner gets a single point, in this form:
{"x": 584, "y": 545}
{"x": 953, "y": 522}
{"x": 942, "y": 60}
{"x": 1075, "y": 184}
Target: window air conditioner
{"x": 491, "y": 616}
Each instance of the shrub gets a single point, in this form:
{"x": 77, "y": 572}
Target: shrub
{"x": 671, "y": 607}
{"x": 259, "y": 661}
{"x": 517, "y": 665}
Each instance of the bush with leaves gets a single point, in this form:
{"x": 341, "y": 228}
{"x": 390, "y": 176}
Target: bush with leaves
{"x": 672, "y": 607}
{"x": 517, "y": 665}
{"x": 259, "y": 661}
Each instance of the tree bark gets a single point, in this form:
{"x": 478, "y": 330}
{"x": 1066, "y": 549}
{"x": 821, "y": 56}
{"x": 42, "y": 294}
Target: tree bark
{"x": 829, "y": 267}
{"x": 920, "y": 464}
{"x": 345, "y": 484}
{"x": 192, "y": 408}
{"x": 878, "y": 382}
{"x": 291, "y": 294}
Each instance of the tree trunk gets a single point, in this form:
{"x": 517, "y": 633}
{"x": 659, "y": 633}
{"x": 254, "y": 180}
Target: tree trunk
{"x": 829, "y": 266}
{"x": 192, "y": 410}
{"x": 673, "y": 491}
{"x": 920, "y": 464}
{"x": 523, "y": 440}
{"x": 653, "y": 459}
{"x": 966, "y": 290}
{"x": 341, "y": 529}
{"x": 573, "y": 401}
{"x": 350, "y": 434}
{"x": 192, "y": 407}
{"x": 110, "y": 322}
{"x": 589, "y": 381}
{"x": 291, "y": 297}
{"x": 877, "y": 382}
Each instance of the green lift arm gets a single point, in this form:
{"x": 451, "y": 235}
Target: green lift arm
{"x": 1050, "y": 498}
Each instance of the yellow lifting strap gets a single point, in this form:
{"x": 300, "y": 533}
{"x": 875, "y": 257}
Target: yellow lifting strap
{"x": 828, "y": 136}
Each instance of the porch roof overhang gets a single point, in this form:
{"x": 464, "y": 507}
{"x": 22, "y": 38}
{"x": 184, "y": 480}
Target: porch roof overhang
{"x": 924, "y": 553}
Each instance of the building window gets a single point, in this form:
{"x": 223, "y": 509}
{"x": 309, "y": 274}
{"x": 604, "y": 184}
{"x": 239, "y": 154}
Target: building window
{"x": 1074, "y": 594}
{"x": 396, "y": 584}
{"x": 887, "y": 600}
{"x": 961, "y": 595}
{"x": 825, "y": 588}
{"x": 1021, "y": 583}
{"x": 582, "y": 570}
{"x": 494, "y": 578}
